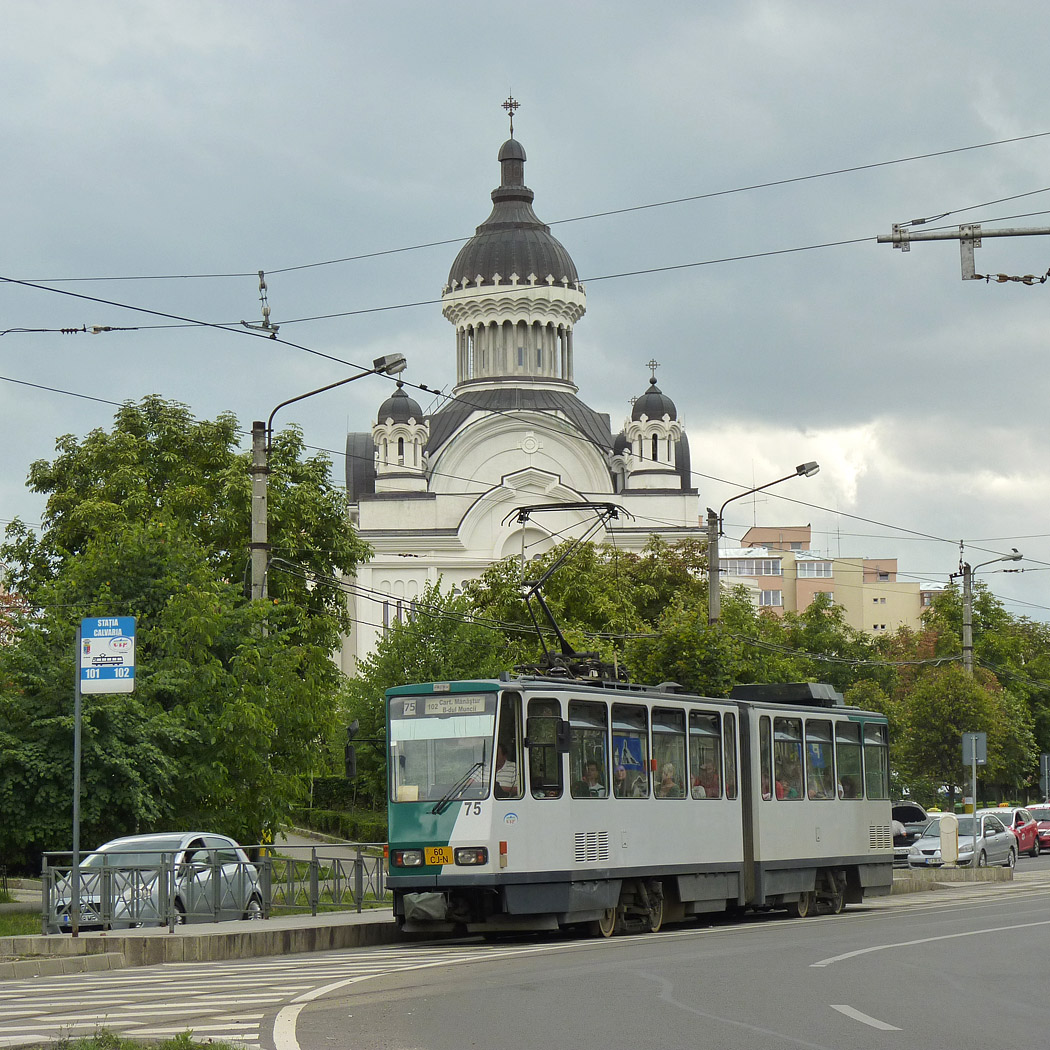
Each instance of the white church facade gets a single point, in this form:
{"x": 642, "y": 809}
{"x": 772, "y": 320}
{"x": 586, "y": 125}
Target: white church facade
{"x": 436, "y": 495}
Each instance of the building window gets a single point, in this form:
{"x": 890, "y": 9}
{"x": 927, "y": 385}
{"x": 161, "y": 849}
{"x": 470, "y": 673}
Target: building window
{"x": 813, "y": 569}
{"x": 753, "y": 567}
{"x": 656, "y": 448}
{"x": 771, "y": 598}
{"x": 794, "y": 545}
{"x": 884, "y": 577}
{"x": 521, "y": 357}
{"x": 539, "y": 356}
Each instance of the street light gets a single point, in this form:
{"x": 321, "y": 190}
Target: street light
{"x": 967, "y": 624}
{"x": 714, "y": 530}
{"x": 262, "y": 437}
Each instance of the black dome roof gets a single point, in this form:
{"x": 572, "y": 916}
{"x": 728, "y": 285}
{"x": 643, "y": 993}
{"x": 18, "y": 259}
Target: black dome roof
{"x": 620, "y": 444}
{"x": 512, "y": 240}
{"x": 654, "y": 404}
{"x": 400, "y": 408}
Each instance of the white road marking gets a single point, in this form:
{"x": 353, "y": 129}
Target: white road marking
{"x": 927, "y": 940}
{"x": 874, "y": 1022}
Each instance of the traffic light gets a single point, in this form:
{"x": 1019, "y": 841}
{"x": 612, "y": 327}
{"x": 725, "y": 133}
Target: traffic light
{"x": 350, "y": 752}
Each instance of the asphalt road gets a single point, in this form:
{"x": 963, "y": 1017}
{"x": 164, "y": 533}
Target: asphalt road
{"x": 952, "y": 975}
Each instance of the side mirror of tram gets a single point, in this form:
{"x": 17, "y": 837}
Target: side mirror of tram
{"x": 562, "y": 737}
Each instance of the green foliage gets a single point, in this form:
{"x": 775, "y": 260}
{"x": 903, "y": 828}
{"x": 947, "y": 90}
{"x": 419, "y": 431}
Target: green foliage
{"x": 231, "y": 697}
{"x": 352, "y": 825}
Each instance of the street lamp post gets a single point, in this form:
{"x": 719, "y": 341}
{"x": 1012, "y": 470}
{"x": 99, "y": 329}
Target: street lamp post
{"x": 714, "y": 531}
{"x": 967, "y": 624}
{"x": 262, "y": 437}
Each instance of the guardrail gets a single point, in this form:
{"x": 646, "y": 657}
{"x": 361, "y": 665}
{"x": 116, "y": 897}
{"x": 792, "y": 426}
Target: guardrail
{"x": 284, "y": 879}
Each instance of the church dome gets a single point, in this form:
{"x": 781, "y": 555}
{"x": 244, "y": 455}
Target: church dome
{"x": 654, "y": 404}
{"x": 621, "y": 444}
{"x": 513, "y": 240}
{"x": 400, "y": 408}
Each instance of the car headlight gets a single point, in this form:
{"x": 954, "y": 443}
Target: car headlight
{"x": 406, "y": 858}
{"x": 915, "y": 851}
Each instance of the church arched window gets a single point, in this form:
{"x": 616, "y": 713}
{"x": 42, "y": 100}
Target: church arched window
{"x": 656, "y": 448}
{"x": 400, "y": 452}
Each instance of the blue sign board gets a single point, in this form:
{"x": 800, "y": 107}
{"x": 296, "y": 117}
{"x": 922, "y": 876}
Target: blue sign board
{"x": 107, "y": 654}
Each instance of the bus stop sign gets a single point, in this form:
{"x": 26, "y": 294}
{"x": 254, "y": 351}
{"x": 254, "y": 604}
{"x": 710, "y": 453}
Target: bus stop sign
{"x": 107, "y": 654}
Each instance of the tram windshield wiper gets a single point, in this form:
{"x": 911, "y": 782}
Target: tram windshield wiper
{"x": 458, "y": 788}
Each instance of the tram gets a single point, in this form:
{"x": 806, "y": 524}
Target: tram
{"x": 533, "y": 803}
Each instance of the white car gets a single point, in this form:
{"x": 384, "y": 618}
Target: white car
{"x": 142, "y": 880}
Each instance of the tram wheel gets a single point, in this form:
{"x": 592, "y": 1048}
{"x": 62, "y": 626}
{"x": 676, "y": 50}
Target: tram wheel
{"x": 801, "y": 908}
{"x": 606, "y": 925}
{"x": 656, "y": 915}
{"x": 835, "y": 903}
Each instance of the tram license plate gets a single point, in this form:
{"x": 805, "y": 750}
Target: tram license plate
{"x": 438, "y": 854}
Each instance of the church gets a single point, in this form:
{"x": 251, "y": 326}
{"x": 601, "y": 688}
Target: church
{"x": 438, "y": 495}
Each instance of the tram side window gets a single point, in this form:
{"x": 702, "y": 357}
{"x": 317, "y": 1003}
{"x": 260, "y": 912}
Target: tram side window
{"x": 847, "y": 748}
{"x": 669, "y": 752}
{"x": 544, "y": 761}
{"x": 765, "y": 755}
{"x": 588, "y": 740}
{"x": 876, "y": 761}
{"x": 820, "y": 762}
{"x": 630, "y": 751}
{"x": 705, "y": 742}
{"x": 787, "y": 758}
{"x": 729, "y": 742}
{"x": 507, "y": 781}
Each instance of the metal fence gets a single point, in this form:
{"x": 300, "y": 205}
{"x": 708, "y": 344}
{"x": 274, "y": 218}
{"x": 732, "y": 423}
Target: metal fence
{"x": 155, "y": 892}
{"x": 329, "y": 878}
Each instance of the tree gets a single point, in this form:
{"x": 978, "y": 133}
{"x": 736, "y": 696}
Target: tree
{"x": 152, "y": 520}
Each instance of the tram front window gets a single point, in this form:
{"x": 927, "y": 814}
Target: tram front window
{"x": 441, "y": 747}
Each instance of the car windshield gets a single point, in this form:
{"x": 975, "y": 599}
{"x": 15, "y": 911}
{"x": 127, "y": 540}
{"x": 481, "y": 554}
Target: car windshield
{"x": 1041, "y": 813}
{"x": 933, "y": 829}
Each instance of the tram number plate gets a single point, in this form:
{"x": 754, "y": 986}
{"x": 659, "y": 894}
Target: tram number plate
{"x": 438, "y": 854}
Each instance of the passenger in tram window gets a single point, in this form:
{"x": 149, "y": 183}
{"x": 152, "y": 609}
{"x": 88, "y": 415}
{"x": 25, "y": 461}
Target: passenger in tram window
{"x": 767, "y": 790}
{"x": 506, "y": 784}
{"x": 847, "y": 787}
{"x": 592, "y": 777}
{"x": 781, "y": 790}
{"x": 669, "y": 786}
{"x": 706, "y": 780}
{"x": 620, "y": 786}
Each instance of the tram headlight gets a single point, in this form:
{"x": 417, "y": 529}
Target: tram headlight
{"x": 406, "y": 858}
{"x": 472, "y": 855}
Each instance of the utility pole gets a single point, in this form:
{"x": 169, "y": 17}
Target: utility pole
{"x": 966, "y": 572}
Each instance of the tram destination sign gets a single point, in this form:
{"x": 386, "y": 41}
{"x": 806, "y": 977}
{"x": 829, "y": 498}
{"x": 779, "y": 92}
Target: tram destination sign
{"x": 107, "y": 654}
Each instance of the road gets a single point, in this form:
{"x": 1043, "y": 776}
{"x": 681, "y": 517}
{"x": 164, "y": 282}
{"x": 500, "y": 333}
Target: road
{"x": 955, "y": 969}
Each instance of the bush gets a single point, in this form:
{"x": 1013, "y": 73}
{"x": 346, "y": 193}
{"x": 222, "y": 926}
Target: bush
{"x": 365, "y": 826}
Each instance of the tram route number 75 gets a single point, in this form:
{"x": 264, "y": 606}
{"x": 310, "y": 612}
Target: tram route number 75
{"x": 472, "y": 809}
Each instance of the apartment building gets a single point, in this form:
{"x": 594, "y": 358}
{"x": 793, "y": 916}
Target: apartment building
{"x": 779, "y": 566}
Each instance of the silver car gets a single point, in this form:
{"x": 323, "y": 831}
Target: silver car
{"x": 143, "y": 880}
{"x": 996, "y": 844}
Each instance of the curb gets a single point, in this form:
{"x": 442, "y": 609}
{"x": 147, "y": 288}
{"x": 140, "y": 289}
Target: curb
{"x": 55, "y": 966}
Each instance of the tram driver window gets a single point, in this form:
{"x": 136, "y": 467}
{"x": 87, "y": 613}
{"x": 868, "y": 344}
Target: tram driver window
{"x": 588, "y": 747}
{"x": 507, "y": 781}
{"x": 545, "y": 776}
{"x": 847, "y": 756}
{"x": 729, "y": 741}
{"x": 787, "y": 758}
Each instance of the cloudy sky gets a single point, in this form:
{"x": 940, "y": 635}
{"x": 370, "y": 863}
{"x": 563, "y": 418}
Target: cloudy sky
{"x": 719, "y": 172}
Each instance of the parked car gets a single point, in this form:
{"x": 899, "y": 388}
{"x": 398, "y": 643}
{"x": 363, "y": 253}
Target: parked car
{"x": 1042, "y": 820}
{"x": 909, "y": 819}
{"x": 140, "y": 879}
{"x": 996, "y": 844}
{"x": 1021, "y": 822}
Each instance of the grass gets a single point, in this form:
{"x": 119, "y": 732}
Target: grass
{"x": 19, "y": 924}
{"x": 5, "y": 897}
{"x": 104, "y": 1039}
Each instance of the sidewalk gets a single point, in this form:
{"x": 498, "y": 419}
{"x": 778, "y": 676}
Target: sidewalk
{"x": 22, "y": 957}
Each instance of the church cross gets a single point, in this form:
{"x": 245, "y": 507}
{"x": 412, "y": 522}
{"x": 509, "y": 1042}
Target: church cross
{"x": 653, "y": 366}
{"x": 510, "y": 106}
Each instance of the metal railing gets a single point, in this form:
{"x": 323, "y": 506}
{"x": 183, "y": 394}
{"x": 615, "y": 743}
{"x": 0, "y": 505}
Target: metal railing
{"x": 286, "y": 879}
{"x": 330, "y": 878}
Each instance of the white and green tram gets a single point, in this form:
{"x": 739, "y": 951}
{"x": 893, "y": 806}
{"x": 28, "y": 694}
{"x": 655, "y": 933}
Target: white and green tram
{"x": 530, "y": 803}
